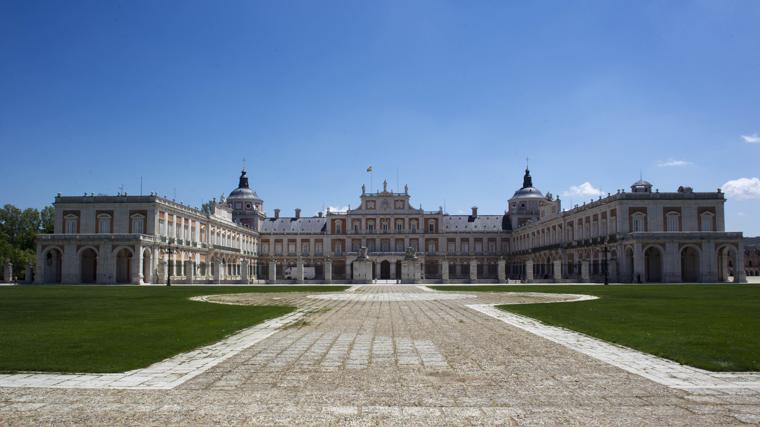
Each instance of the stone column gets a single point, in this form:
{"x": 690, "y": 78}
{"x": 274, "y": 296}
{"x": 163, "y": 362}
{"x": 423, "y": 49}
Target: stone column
{"x": 708, "y": 268}
{"x": 190, "y": 271}
{"x": 739, "y": 273}
{"x": 393, "y": 270}
{"x": 585, "y": 274}
{"x": 39, "y": 275}
{"x": 299, "y": 270}
{"x": 557, "y": 270}
{"x": 70, "y": 264}
{"x": 671, "y": 264}
{"x": 328, "y": 271}
{"x": 106, "y": 272}
{"x": 444, "y": 271}
{"x": 272, "y": 272}
{"x": 502, "y": 271}
{"x": 638, "y": 263}
{"x": 163, "y": 270}
{"x": 244, "y": 267}
{"x": 217, "y": 270}
{"x": 612, "y": 270}
{"x": 137, "y": 266}
{"x": 529, "y": 271}
{"x": 473, "y": 271}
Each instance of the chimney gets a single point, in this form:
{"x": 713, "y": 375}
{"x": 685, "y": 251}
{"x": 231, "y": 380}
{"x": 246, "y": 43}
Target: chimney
{"x": 298, "y": 213}
{"x": 474, "y": 212}
{"x": 276, "y": 213}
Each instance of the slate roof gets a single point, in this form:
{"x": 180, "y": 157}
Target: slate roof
{"x": 481, "y": 223}
{"x": 309, "y": 225}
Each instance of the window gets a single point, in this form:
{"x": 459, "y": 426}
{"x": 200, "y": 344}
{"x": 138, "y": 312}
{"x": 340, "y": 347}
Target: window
{"x": 465, "y": 247}
{"x": 291, "y": 248}
{"x": 138, "y": 224}
{"x": 265, "y": 248}
{"x": 305, "y": 248}
{"x": 706, "y": 221}
{"x": 672, "y": 220}
{"x": 431, "y": 247}
{"x": 104, "y": 223}
{"x": 71, "y": 222}
{"x": 318, "y": 247}
{"x": 162, "y": 227}
{"x": 399, "y": 226}
{"x": 639, "y": 222}
{"x": 431, "y": 227}
{"x": 451, "y": 248}
{"x": 384, "y": 224}
{"x": 338, "y": 228}
{"x": 371, "y": 227}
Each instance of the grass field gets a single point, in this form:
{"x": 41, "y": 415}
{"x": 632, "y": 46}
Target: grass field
{"x": 117, "y": 328}
{"x": 714, "y": 327}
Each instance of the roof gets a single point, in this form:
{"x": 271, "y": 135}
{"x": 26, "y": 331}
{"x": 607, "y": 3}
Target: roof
{"x": 528, "y": 193}
{"x": 309, "y": 225}
{"x": 467, "y": 223}
{"x": 641, "y": 182}
{"x": 243, "y": 194}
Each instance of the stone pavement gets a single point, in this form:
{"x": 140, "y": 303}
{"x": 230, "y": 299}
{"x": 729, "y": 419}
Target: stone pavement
{"x": 393, "y": 356}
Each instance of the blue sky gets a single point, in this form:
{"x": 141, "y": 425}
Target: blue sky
{"x": 452, "y": 95}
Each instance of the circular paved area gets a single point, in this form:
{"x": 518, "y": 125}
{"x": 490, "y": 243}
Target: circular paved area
{"x": 378, "y": 360}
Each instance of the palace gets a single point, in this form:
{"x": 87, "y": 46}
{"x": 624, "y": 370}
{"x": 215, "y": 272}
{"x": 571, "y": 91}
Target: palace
{"x": 636, "y": 236}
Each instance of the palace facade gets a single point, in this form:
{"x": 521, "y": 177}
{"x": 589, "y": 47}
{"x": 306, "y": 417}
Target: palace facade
{"x": 636, "y": 236}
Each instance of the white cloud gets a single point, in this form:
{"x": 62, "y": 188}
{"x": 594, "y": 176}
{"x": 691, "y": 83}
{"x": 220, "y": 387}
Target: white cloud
{"x": 673, "y": 163}
{"x": 751, "y": 139}
{"x": 582, "y": 191}
{"x": 743, "y": 188}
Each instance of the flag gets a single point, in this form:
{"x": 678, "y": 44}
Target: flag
{"x": 369, "y": 169}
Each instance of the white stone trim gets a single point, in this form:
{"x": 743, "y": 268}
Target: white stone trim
{"x": 659, "y": 370}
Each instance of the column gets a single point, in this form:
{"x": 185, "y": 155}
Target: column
{"x": 328, "y": 271}
{"x": 473, "y": 271}
{"x": 529, "y": 271}
{"x": 70, "y": 264}
{"x": 585, "y": 275}
{"x": 393, "y": 270}
{"x": 272, "y": 272}
{"x": 612, "y": 270}
{"x": 105, "y": 269}
{"x": 444, "y": 271}
{"x": 502, "y": 271}
{"x": 708, "y": 268}
{"x": 557, "y": 270}
{"x": 299, "y": 270}
{"x": 137, "y": 266}
{"x": 39, "y": 276}
{"x": 190, "y": 272}
{"x": 739, "y": 273}
{"x": 638, "y": 263}
{"x": 671, "y": 265}
{"x": 244, "y": 267}
{"x": 217, "y": 270}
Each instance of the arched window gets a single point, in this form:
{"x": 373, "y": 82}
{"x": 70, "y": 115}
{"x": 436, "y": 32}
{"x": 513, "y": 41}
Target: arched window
{"x": 639, "y": 222}
{"x": 138, "y": 224}
{"x": 104, "y": 223}
{"x": 672, "y": 221}
{"x": 706, "y": 221}
{"x": 71, "y": 224}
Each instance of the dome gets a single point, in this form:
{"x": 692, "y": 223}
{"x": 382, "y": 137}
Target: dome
{"x": 528, "y": 191}
{"x": 243, "y": 192}
{"x": 641, "y": 186}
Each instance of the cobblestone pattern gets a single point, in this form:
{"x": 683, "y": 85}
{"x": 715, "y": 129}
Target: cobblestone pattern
{"x": 394, "y": 363}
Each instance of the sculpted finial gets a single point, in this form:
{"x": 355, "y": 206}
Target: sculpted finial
{"x": 385, "y": 186}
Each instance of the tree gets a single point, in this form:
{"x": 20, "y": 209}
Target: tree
{"x": 18, "y": 229}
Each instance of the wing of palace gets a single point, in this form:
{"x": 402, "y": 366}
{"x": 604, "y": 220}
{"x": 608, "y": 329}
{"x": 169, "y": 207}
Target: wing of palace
{"x": 628, "y": 236}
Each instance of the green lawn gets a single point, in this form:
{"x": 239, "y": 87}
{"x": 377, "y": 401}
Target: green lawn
{"x": 118, "y": 328}
{"x": 714, "y": 327}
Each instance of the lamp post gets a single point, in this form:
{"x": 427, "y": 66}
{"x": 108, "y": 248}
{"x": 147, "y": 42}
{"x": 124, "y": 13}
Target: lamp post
{"x": 606, "y": 269}
{"x": 169, "y": 251}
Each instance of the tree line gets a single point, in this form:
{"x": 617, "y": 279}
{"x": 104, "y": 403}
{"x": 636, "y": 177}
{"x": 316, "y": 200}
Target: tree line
{"x": 18, "y": 229}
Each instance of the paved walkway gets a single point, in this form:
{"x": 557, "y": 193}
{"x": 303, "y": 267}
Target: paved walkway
{"x": 393, "y": 356}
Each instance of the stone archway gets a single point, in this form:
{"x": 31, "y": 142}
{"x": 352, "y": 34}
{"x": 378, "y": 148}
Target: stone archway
{"x": 385, "y": 270}
{"x": 88, "y": 265}
{"x": 52, "y": 265}
{"x": 690, "y": 268}
{"x": 728, "y": 264}
{"x": 653, "y": 264}
{"x": 123, "y": 265}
